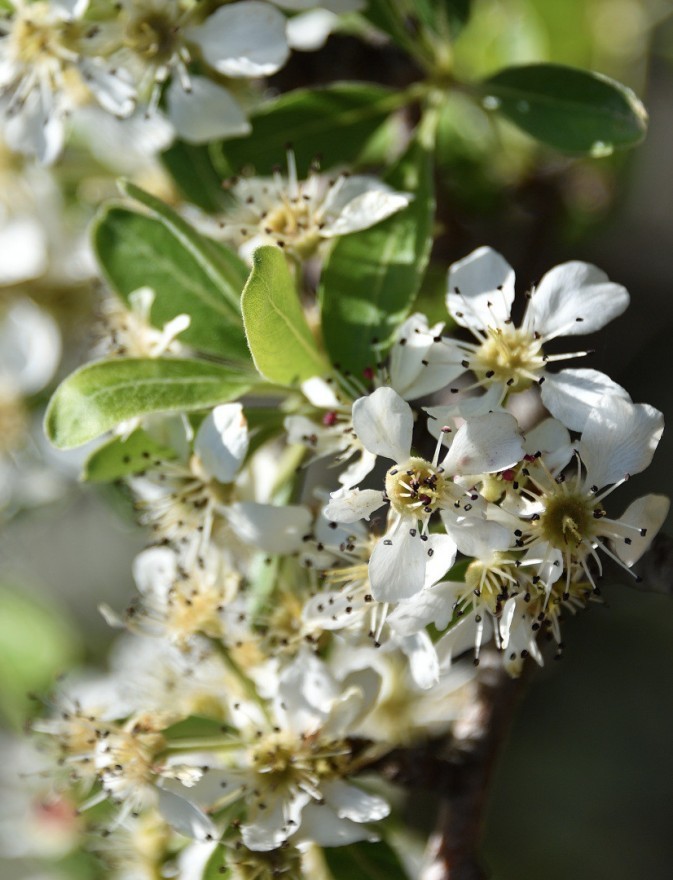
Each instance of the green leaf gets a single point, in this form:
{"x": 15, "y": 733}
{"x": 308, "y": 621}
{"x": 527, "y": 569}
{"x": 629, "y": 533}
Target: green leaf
{"x": 99, "y": 396}
{"x": 188, "y": 273}
{"x": 215, "y": 868}
{"x": 333, "y": 122}
{"x": 572, "y": 110}
{"x": 371, "y": 277}
{"x": 365, "y": 861}
{"x": 282, "y": 346}
{"x": 121, "y": 457}
{"x": 36, "y": 644}
{"x": 194, "y": 727}
{"x": 192, "y": 169}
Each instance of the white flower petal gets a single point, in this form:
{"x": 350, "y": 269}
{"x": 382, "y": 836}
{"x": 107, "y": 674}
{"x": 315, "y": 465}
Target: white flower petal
{"x": 155, "y": 570}
{"x": 572, "y": 299}
{"x": 30, "y": 347}
{"x": 423, "y": 662}
{"x": 358, "y": 469}
{"x": 243, "y": 39}
{"x": 441, "y": 558}
{"x": 646, "y": 514}
{"x": 321, "y": 825}
{"x": 485, "y": 444}
{"x": 306, "y": 693}
{"x": 23, "y": 249}
{"x": 350, "y": 505}
{"x": 320, "y": 393}
{"x": 351, "y": 802}
{"x": 269, "y": 528}
{"x": 185, "y": 817}
{"x": 480, "y": 289}
{"x": 520, "y": 641}
{"x": 432, "y": 605}
{"x": 571, "y": 395}
{"x": 552, "y": 439}
{"x": 479, "y": 538}
{"x": 383, "y": 423}
{"x": 418, "y": 364}
{"x": 619, "y": 439}
{"x": 113, "y": 91}
{"x": 222, "y": 441}
{"x": 309, "y": 31}
{"x": 464, "y": 408}
{"x": 462, "y": 637}
{"x": 268, "y": 828}
{"x": 356, "y": 203}
{"x": 38, "y": 129}
{"x": 205, "y": 113}
{"x": 397, "y": 564}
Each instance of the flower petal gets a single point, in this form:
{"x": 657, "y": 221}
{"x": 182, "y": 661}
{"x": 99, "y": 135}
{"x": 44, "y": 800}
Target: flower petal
{"x": 350, "y": 505}
{"x": 321, "y": 825}
{"x": 356, "y": 203}
{"x": 205, "y": 113}
{"x": 222, "y": 442}
{"x": 433, "y": 605}
{"x": 243, "y": 39}
{"x": 271, "y": 529}
{"x": 645, "y": 515}
{"x": 423, "y": 662}
{"x": 384, "y": 422}
{"x": 397, "y": 564}
{"x": 185, "y": 817}
{"x": 572, "y": 299}
{"x": 485, "y": 444}
{"x": 572, "y": 394}
{"x": 351, "y": 802}
{"x": 619, "y": 440}
{"x": 480, "y": 289}
{"x": 155, "y": 570}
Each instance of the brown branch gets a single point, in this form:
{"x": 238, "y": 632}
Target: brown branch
{"x": 458, "y": 773}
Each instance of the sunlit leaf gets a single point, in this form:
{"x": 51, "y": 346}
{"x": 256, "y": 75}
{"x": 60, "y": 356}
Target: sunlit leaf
{"x": 101, "y": 395}
{"x": 371, "y": 277}
{"x": 282, "y": 346}
{"x": 331, "y": 123}
{"x": 569, "y": 109}
{"x": 189, "y": 273}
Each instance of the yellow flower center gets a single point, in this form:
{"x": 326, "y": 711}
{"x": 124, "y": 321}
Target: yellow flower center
{"x": 568, "y": 520}
{"x": 415, "y": 487}
{"x": 512, "y": 356}
{"x": 492, "y": 582}
{"x": 153, "y": 35}
{"x": 38, "y": 35}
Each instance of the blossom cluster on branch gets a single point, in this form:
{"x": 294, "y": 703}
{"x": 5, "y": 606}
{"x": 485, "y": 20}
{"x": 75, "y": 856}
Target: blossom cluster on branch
{"x": 348, "y": 502}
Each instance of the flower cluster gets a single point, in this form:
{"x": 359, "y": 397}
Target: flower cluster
{"x": 59, "y": 56}
{"x": 283, "y": 639}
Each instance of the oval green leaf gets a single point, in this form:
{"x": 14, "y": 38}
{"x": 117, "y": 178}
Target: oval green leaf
{"x": 569, "y": 109}
{"x": 189, "y": 273}
{"x": 372, "y": 277}
{"x": 332, "y": 123}
{"x": 101, "y": 395}
{"x": 282, "y": 346}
